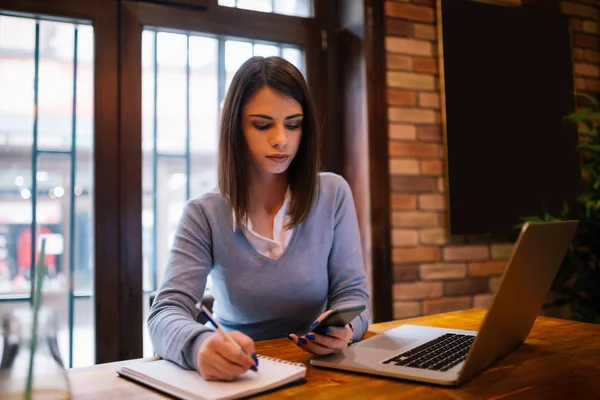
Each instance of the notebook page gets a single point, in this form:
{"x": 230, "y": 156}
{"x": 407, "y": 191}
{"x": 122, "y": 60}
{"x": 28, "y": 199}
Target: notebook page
{"x": 271, "y": 374}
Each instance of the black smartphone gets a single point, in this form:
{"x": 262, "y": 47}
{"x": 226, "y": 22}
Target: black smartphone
{"x": 338, "y": 317}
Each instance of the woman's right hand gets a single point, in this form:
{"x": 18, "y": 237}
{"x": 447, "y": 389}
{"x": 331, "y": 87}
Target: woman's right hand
{"x": 218, "y": 359}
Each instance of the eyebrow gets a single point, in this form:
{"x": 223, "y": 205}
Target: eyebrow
{"x": 268, "y": 117}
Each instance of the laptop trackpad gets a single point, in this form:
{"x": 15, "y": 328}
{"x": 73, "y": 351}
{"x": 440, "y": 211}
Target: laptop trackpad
{"x": 384, "y": 342}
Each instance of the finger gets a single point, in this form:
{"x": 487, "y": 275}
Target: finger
{"x": 234, "y": 355}
{"x": 336, "y": 332}
{"x": 215, "y": 358}
{"x": 247, "y": 344}
{"x": 317, "y": 348}
{"x": 327, "y": 341}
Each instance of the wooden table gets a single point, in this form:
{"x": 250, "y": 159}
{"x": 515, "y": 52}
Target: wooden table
{"x": 559, "y": 360}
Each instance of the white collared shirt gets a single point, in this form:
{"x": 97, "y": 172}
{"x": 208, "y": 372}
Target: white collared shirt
{"x": 272, "y": 248}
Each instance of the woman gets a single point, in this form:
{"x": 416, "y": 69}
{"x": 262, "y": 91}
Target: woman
{"x": 280, "y": 239}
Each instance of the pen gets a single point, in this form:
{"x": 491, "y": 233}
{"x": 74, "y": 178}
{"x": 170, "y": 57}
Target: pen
{"x": 224, "y": 333}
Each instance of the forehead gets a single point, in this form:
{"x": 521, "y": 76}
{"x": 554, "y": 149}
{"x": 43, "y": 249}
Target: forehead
{"x": 267, "y": 100}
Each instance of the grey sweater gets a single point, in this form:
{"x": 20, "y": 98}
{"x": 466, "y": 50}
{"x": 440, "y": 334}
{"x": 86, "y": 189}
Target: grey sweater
{"x": 322, "y": 268}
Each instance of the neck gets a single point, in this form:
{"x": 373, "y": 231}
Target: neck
{"x": 267, "y": 192}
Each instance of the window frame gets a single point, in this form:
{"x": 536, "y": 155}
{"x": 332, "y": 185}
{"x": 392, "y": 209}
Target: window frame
{"x": 103, "y": 15}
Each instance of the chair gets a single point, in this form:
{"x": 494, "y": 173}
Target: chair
{"x": 207, "y": 301}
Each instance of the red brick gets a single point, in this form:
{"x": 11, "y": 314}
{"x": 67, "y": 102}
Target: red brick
{"x": 424, "y": 31}
{"x": 404, "y": 201}
{"x": 486, "y": 268}
{"x": 432, "y": 167}
{"x": 466, "y": 253}
{"x": 495, "y": 283}
{"x": 579, "y": 83}
{"x": 441, "y": 185}
{"x": 446, "y": 304}
{"x": 411, "y": 115}
{"x": 405, "y": 237}
{"x": 432, "y": 236}
{"x": 417, "y": 290}
{"x": 429, "y": 100}
{"x": 578, "y": 55}
{"x": 409, "y": 12}
{"x": 591, "y": 27}
{"x": 433, "y": 202}
{"x": 591, "y": 56}
{"x": 402, "y": 131}
{"x": 482, "y": 300}
{"x": 579, "y": 10}
{"x": 587, "y": 69}
{"x": 429, "y": 133}
{"x": 408, "y": 46}
{"x": 416, "y": 254}
{"x": 398, "y": 27}
{"x": 414, "y": 219}
{"x": 467, "y": 286}
{"x": 401, "y": 62}
{"x": 426, "y": 65}
{"x": 406, "y": 309}
{"x": 412, "y": 149}
{"x": 398, "y": 97}
{"x": 402, "y": 166}
{"x": 501, "y": 251}
{"x": 424, "y": 2}
{"x": 576, "y": 24}
{"x": 592, "y": 85}
{"x": 409, "y": 80}
{"x": 411, "y": 184}
{"x": 406, "y": 273}
{"x": 443, "y": 271}
{"x": 582, "y": 40}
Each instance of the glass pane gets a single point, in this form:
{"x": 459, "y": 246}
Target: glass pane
{"x": 235, "y": 55}
{"x": 38, "y": 189}
{"x": 204, "y": 97}
{"x": 171, "y": 85}
{"x": 299, "y": 8}
{"x": 256, "y": 5}
{"x": 55, "y": 102}
{"x": 294, "y": 56}
{"x": 265, "y": 50}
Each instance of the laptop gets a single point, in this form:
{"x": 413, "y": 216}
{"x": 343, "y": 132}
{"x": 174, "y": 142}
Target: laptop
{"x": 451, "y": 357}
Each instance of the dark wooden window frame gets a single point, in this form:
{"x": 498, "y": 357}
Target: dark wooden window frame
{"x": 109, "y": 283}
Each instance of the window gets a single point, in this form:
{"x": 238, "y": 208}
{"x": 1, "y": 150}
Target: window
{"x": 184, "y": 81}
{"x": 46, "y": 174}
{"x": 298, "y": 8}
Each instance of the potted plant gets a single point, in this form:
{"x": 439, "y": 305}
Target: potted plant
{"x": 577, "y": 283}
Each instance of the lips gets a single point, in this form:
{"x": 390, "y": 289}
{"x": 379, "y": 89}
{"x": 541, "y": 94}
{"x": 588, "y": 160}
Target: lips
{"x": 278, "y": 158}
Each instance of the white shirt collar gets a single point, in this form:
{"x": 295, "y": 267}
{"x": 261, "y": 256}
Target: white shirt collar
{"x": 284, "y": 207}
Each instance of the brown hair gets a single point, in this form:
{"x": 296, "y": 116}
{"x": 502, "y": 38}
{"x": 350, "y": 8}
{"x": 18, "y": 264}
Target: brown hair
{"x": 278, "y": 74}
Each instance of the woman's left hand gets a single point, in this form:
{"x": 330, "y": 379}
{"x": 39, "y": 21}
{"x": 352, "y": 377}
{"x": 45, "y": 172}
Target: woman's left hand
{"x": 332, "y": 341}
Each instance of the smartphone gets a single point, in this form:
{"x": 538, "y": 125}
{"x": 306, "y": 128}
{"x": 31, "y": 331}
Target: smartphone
{"x": 338, "y": 317}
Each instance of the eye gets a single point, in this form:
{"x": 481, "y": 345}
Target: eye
{"x": 294, "y": 125}
{"x": 261, "y": 127}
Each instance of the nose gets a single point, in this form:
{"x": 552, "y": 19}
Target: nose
{"x": 279, "y": 137}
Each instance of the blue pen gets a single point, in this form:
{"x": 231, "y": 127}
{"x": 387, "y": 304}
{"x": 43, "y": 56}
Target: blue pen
{"x": 224, "y": 333}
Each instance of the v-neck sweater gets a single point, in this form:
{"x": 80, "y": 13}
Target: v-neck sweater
{"x": 322, "y": 268}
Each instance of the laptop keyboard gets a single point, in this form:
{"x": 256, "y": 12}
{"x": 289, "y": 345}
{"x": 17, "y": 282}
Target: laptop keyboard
{"x": 439, "y": 354}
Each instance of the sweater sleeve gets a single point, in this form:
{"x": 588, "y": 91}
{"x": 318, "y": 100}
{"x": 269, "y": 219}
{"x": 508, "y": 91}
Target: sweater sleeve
{"x": 347, "y": 276}
{"x": 174, "y": 332}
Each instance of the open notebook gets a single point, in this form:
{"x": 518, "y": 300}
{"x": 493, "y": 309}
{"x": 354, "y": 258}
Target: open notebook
{"x": 173, "y": 380}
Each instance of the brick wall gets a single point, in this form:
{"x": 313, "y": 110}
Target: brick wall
{"x": 430, "y": 274}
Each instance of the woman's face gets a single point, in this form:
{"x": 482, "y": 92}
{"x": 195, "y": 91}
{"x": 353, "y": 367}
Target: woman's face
{"x": 272, "y": 128}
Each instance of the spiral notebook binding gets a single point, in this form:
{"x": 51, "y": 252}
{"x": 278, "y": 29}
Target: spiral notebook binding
{"x": 280, "y": 361}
